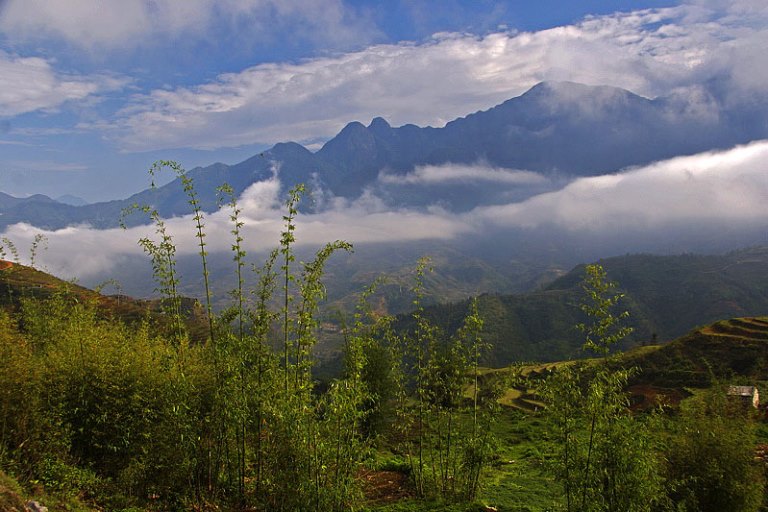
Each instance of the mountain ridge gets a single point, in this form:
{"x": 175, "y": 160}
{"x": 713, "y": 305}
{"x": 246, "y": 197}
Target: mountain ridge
{"x": 666, "y": 296}
{"x": 555, "y": 129}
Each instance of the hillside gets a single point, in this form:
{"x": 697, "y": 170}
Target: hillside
{"x": 121, "y": 392}
{"x": 727, "y": 349}
{"x": 18, "y": 282}
{"x": 733, "y": 350}
{"x": 666, "y": 296}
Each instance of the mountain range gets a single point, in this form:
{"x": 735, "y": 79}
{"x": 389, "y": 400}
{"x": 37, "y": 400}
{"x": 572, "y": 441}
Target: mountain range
{"x": 554, "y": 132}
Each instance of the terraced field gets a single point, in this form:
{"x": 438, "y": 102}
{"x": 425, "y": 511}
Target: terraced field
{"x": 735, "y": 350}
{"x": 746, "y": 328}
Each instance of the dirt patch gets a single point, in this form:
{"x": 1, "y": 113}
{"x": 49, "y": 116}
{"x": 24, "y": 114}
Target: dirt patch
{"x": 5, "y": 264}
{"x": 10, "y": 498}
{"x": 384, "y": 486}
{"x": 645, "y": 396}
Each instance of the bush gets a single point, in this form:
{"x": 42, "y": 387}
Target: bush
{"x": 711, "y": 457}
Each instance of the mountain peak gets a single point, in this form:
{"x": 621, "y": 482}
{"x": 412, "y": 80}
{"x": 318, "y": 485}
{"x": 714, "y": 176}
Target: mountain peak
{"x": 40, "y": 198}
{"x": 378, "y": 124}
{"x": 353, "y": 137}
{"x": 576, "y": 92}
{"x": 352, "y": 128}
{"x": 282, "y": 149}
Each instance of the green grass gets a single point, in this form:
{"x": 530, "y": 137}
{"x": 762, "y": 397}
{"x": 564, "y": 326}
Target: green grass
{"x": 517, "y": 480}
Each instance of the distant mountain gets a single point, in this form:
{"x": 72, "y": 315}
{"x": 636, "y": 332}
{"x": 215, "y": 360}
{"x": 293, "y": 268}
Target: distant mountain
{"x": 8, "y": 202}
{"x": 71, "y": 200}
{"x": 557, "y": 129}
{"x": 665, "y": 295}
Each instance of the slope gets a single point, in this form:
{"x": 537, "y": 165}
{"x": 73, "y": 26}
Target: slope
{"x": 727, "y": 349}
{"x": 666, "y": 297}
{"x": 20, "y": 282}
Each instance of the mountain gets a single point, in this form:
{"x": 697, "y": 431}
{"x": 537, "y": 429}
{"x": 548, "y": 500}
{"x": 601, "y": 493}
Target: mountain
{"x": 557, "y": 129}
{"x": 666, "y": 297}
{"x": 71, "y": 200}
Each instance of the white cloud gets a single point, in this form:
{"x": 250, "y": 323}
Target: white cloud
{"x": 457, "y": 173}
{"x": 83, "y": 252}
{"x": 722, "y": 191}
{"x": 99, "y": 25}
{"x": 28, "y": 84}
{"x": 726, "y": 187}
{"x": 84, "y": 22}
{"x": 650, "y": 52}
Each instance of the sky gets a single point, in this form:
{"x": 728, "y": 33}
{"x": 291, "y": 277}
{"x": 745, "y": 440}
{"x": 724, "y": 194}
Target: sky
{"x": 92, "y": 92}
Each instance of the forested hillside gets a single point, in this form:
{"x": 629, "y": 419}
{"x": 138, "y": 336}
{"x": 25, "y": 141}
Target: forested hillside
{"x": 666, "y": 296}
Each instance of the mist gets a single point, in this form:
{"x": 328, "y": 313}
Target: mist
{"x": 710, "y": 202}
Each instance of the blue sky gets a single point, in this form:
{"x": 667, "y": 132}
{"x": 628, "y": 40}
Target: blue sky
{"x": 93, "y": 91}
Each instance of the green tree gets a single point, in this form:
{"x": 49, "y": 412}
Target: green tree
{"x": 711, "y": 456}
{"x": 445, "y": 433}
{"x": 604, "y": 455}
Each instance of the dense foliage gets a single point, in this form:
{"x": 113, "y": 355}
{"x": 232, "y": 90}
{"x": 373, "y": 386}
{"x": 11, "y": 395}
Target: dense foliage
{"x": 134, "y": 413}
{"x": 666, "y": 296}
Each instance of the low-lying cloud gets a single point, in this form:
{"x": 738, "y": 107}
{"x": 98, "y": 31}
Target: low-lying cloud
{"x": 457, "y": 173}
{"x": 712, "y": 193}
{"x": 727, "y": 187}
{"x": 84, "y": 252}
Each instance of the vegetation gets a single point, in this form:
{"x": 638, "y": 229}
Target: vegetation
{"x": 666, "y": 297}
{"x": 711, "y": 456}
{"x": 110, "y": 403}
{"x": 604, "y": 455}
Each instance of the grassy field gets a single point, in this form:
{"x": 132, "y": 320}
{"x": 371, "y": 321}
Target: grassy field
{"x": 517, "y": 480}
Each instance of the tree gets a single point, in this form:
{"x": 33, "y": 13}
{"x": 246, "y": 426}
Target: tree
{"x": 604, "y": 456}
{"x": 446, "y": 435}
{"x": 710, "y": 456}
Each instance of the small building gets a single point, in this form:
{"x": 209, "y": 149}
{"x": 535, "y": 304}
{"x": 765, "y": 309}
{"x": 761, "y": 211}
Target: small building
{"x": 748, "y": 394}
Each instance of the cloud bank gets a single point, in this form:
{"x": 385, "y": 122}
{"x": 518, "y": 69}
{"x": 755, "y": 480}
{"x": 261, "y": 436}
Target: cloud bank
{"x": 650, "y": 52}
{"x": 98, "y": 26}
{"x": 719, "y": 188}
{"x": 712, "y": 193}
